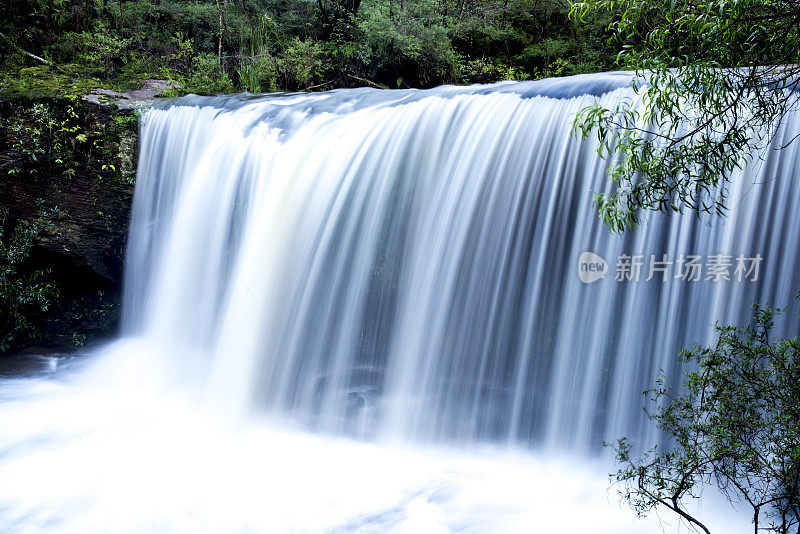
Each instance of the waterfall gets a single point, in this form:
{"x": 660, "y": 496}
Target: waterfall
{"x": 411, "y": 265}
{"x": 367, "y": 311}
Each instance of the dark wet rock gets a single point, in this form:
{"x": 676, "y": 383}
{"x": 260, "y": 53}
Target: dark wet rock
{"x": 89, "y": 207}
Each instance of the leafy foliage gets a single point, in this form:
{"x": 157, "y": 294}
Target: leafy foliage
{"x": 714, "y": 80}
{"x": 736, "y": 426}
{"x": 46, "y": 138}
{"x": 25, "y": 292}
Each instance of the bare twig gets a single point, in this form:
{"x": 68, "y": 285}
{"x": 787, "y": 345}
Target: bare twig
{"x": 318, "y": 85}
{"x": 379, "y": 86}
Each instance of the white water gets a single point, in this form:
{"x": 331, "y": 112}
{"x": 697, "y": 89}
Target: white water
{"x": 95, "y": 451}
{"x": 398, "y": 267}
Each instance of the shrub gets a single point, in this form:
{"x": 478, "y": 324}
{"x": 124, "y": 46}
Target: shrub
{"x": 25, "y": 293}
{"x": 735, "y": 426}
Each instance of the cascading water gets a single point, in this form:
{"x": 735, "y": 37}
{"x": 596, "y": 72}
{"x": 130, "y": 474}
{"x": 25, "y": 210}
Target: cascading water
{"x": 405, "y": 263}
{"x": 402, "y": 267}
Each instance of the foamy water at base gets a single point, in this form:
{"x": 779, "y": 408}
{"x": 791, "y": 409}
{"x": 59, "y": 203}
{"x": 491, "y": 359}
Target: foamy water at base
{"x": 93, "y": 451}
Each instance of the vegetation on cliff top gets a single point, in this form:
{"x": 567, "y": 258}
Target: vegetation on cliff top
{"x": 68, "y": 46}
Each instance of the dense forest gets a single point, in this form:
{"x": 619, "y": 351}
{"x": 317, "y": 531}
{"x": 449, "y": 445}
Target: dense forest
{"x": 56, "y": 47}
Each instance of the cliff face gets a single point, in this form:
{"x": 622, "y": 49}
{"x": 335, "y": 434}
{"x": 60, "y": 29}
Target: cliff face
{"x": 70, "y": 165}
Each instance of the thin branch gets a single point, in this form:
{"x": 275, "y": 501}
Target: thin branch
{"x": 26, "y": 53}
{"x": 379, "y": 86}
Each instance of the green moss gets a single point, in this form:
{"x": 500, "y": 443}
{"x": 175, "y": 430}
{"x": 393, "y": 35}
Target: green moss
{"x": 41, "y": 81}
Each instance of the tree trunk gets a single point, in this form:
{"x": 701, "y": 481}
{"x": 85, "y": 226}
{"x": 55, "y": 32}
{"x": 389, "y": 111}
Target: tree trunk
{"x": 223, "y": 21}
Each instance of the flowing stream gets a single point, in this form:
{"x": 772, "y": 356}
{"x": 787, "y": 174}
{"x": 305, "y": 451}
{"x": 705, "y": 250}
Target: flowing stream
{"x": 374, "y": 311}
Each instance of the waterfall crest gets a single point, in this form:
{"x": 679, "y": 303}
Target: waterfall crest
{"x": 406, "y": 264}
